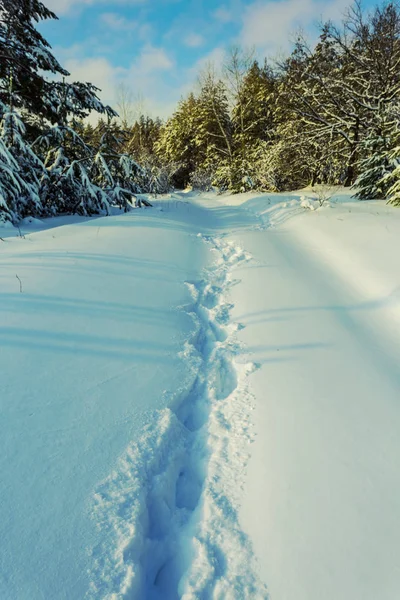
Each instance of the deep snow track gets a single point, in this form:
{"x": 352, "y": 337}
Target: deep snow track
{"x": 171, "y": 506}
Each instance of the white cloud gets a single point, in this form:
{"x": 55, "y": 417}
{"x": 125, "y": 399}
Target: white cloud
{"x": 153, "y": 59}
{"x": 268, "y": 25}
{"x": 214, "y": 60}
{"x": 193, "y": 40}
{"x": 144, "y": 76}
{"x": 98, "y": 71}
{"x": 223, "y": 14}
{"x": 117, "y": 22}
{"x": 62, "y": 7}
{"x": 151, "y": 75}
{"x": 152, "y": 71}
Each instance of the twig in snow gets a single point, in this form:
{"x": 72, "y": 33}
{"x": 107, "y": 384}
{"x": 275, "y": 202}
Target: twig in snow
{"x": 20, "y": 284}
{"x": 21, "y": 235}
{"x": 323, "y": 193}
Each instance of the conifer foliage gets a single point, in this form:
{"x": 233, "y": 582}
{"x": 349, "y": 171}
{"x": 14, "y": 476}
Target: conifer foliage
{"x": 326, "y": 114}
{"x": 46, "y": 166}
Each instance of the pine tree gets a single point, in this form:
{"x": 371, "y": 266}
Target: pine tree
{"x": 213, "y": 137}
{"x": 390, "y": 181}
{"x": 47, "y": 167}
{"x": 11, "y": 184}
{"x": 114, "y": 171}
{"x": 142, "y": 138}
{"x": 253, "y": 126}
{"x": 67, "y": 188}
{"x": 26, "y": 56}
{"x": 312, "y": 91}
{"x": 178, "y": 145}
{"x": 374, "y": 181}
{"x": 28, "y": 167}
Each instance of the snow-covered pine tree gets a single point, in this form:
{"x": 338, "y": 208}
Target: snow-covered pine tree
{"x": 370, "y": 48}
{"x": 67, "y": 158}
{"x": 76, "y": 100}
{"x": 114, "y": 171}
{"x": 67, "y": 187}
{"x": 177, "y": 141}
{"x": 390, "y": 182}
{"x": 27, "y": 167}
{"x": 142, "y": 138}
{"x": 380, "y": 40}
{"x": 213, "y": 137}
{"x": 142, "y": 143}
{"x": 253, "y": 124}
{"x": 11, "y": 184}
{"x": 26, "y": 56}
{"x": 312, "y": 92}
{"x": 60, "y": 178}
{"x": 374, "y": 181}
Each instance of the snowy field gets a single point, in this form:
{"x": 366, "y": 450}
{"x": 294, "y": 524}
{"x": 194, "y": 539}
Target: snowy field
{"x": 201, "y": 400}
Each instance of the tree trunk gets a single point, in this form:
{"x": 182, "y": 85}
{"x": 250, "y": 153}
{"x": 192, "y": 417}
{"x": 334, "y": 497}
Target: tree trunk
{"x": 351, "y": 168}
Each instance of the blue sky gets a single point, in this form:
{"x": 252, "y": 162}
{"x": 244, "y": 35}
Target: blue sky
{"x": 156, "y": 48}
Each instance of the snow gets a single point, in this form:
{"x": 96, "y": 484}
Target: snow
{"x": 163, "y": 504}
{"x": 87, "y": 351}
{"x": 200, "y": 400}
{"x": 320, "y": 310}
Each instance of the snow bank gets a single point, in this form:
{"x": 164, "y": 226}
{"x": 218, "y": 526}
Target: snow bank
{"x": 319, "y": 307}
{"x": 87, "y": 351}
{"x": 126, "y": 410}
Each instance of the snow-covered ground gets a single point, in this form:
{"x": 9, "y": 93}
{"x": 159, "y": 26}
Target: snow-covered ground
{"x": 200, "y": 400}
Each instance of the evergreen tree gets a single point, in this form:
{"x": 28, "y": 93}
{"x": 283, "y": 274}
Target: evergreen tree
{"x": 67, "y": 188}
{"x": 142, "y": 138}
{"x": 379, "y": 38}
{"x": 11, "y": 185}
{"x": 114, "y": 171}
{"x": 311, "y": 92}
{"x": 53, "y": 163}
{"x": 253, "y": 112}
{"x": 390, "y": 181}
{"x": 377, "y": 164}
{"x": 253, "y": 126}
{"x": 27, "y": 166}
{"x": 214, "y": 132}
{"x": 178, "y": 140}
{"x": 26, "y": 56}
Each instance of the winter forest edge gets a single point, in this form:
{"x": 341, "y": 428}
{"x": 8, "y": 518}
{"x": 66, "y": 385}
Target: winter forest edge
{"x": 327, "y": 114}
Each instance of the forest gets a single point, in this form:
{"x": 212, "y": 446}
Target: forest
{"x": 326, "y": 114}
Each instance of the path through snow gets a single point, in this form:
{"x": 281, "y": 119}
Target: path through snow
{"x": 172, "y": 503}
{"x": 129, "y": 352}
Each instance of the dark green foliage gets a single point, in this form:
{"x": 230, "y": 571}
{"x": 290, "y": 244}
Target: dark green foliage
{"x": 50, "y": 161}
{"x": 327, "y": 114}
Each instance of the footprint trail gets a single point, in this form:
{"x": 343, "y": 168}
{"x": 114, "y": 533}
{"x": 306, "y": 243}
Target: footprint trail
{"x": 171, "y": 505}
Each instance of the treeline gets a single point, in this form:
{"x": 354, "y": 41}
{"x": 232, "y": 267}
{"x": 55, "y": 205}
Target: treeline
{"x": 47, "y": 167}
{"x": 327, "y": 114}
